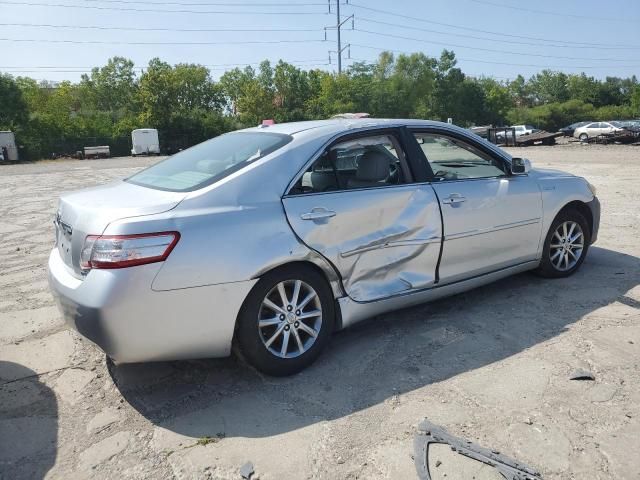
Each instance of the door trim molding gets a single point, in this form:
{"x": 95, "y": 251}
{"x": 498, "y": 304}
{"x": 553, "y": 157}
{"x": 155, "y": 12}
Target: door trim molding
{"x": 398, "y": 243}
{"x": 497, "y": 228}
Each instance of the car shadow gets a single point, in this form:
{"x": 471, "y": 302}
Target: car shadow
{"x": 28, "y": 424}
{"x": 392, "y": 354}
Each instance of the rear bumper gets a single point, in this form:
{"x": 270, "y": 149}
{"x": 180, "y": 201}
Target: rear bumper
{"x": 119, "y": 312}
{"x": 594, "y": 206}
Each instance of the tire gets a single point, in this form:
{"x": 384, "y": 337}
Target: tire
{"x": 560, "y": 258}
{"x": 284, "y": 344}
{"x": 583, "y": 137}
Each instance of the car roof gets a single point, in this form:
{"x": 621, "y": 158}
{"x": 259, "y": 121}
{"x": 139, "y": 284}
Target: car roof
{"x": 338, "y": 125}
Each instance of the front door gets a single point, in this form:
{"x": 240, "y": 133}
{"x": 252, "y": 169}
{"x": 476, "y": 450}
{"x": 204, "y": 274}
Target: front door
{"x": 491, "y": 219}
{"x": 357, "y": 206}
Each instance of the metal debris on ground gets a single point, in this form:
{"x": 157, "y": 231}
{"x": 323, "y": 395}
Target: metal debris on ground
{"x": 429, "y": 433}
{"x": 247, "y": 470}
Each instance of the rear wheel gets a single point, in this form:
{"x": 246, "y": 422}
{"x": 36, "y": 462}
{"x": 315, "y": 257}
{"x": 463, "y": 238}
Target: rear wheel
{"x": 565, "y": 246}
{"x": 286, "y": 320}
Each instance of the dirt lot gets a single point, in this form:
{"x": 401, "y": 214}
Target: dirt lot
{"x": 491, "y": 365}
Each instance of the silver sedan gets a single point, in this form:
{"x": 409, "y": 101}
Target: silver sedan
{"x": 275, "y": 237}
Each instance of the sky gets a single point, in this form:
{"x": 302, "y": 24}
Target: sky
{"x": 61, "y": 39}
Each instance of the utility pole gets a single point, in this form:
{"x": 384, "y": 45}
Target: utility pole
{"x": 338, "y": 27}
{"x": 339, "y": 42}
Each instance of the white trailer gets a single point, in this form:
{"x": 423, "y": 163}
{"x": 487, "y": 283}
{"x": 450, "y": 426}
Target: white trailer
{"x": 101, "y": 151}
{"x": 145, "y": 142}
{"x": 8, "y": 149}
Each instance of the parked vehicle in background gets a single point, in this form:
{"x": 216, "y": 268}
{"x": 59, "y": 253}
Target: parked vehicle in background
{"x": 8, "y": 148}
{"x": 594, "y": 129}
{"x": 278, "y": 236}
{"x": 519, "y": 130}
{"x": 102, "y": 151}
{"x": 524, "y": 129}
{"x": 569, "y": 129}
{"x": 145, "y": 142}
{"x": 632, "y": 125}
{"x": 351, "y": 115}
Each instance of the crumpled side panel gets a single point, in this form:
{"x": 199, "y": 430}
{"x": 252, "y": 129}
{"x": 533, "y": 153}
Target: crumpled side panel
{"x": 383, "y": 241}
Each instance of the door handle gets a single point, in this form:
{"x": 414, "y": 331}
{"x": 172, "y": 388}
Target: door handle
{"x": 318, "y": 214}
{"x": 453, "y": 199}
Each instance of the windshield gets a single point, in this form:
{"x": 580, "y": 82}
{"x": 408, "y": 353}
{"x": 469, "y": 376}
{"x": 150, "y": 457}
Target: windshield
{"x": 209, "y": 161}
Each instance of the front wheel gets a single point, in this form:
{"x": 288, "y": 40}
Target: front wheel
{"x": 565, "y": 246}
{"x": 286, "y": 320}
{"x": 584, "y": 137}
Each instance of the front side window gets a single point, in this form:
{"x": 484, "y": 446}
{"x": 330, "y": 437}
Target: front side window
{"x": 363, "y": 162}
{"x": 209, "y": 161}
{"x": 452, "y": 159}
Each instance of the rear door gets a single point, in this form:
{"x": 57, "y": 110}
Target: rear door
{"x": 491, "y": 219}
{"x": 595, "y": 129}
{"x": 358, "y": 206}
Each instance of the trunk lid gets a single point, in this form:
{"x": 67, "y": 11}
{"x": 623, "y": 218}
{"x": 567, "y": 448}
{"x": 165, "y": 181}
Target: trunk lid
{"x": 89, "y": 212}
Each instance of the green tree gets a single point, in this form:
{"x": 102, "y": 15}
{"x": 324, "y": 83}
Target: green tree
{"x": 498, "y": 101}
{"x": 13, "y": 107}
{"x": 110, "y": 88}
{"x": 548, "y": 86}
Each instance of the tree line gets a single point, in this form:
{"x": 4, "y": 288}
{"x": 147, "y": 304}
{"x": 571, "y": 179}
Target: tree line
{"x": 187, "y": 106}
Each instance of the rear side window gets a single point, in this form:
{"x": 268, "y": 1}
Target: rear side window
{"x": 362, "y": 162}
{"x": 210, "y": 161}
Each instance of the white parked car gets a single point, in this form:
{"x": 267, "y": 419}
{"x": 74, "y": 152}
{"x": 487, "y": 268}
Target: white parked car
{"x": 594, "y": 129}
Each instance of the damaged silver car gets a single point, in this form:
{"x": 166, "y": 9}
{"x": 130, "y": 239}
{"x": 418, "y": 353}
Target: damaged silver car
{"x": 277, "y": 236}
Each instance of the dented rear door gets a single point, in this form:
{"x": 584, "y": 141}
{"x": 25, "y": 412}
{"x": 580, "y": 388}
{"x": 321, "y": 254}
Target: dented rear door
{"x": 383, "y": 241}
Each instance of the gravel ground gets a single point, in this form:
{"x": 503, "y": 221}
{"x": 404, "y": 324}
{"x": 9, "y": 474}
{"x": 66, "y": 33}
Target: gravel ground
{"x": 491, "y": 365}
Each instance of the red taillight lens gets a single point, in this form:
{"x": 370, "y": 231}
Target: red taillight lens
{"x": 120, "y": 251}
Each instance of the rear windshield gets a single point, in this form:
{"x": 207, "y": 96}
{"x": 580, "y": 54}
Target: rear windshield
{"x": 209, "y": 161}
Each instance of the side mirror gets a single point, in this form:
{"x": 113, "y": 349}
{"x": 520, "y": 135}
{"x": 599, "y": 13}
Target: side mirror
{"x": 520, "y": 166}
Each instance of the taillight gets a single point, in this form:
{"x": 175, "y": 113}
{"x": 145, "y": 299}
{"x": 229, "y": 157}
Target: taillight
{"x": 120, "y": 251}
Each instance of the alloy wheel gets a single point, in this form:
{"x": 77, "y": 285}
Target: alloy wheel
{"x": 290, "y": 319}
{"x": 566, "y": 246}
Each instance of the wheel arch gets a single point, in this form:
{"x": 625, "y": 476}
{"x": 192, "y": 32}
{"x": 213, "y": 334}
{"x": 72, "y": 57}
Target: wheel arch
{"x": 581, "y": 208}
{"x": 322, "y": 267}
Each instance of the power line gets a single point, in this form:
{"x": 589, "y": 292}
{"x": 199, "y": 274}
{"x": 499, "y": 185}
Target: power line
{"x": 507, "y": 52}
{"x": 84, "y": 71}
{"x": 215, "y": 4}
{"x": 555, "y": 14}
{"x": 440, "y": 32}
{"x": 161, "y": 29}
{"x": 382, "y": 49}
{"x": 321, "y": 61}
{"x": 116, "y": 42}
{"x": 315, "y": 29}
{"x": 96, "y": 7}
{"x": 459, "y": 27}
